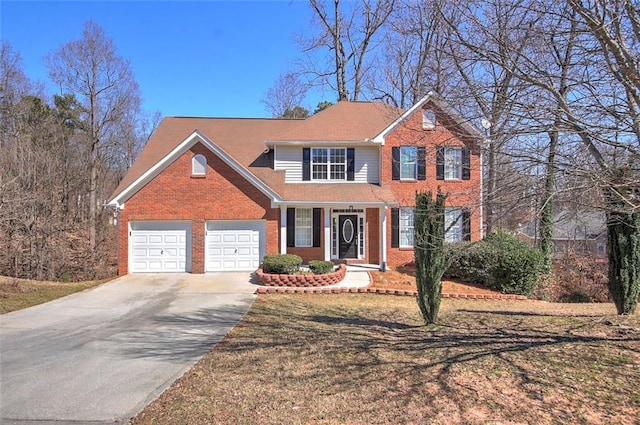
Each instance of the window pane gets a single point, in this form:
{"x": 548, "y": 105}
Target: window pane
{"x": 453, "y": 163}
{"x": 338, "y": 172}
{"x": 304, "y": 227}
{"x": 453, "y": 224}
{"x": 337, "y": 155}
{"x": 408, "y": 160}
{"x": 319, "y": 155}
{"x": 406, "y": 227}
{"x": 199, "y": 165}
{"x": 319, "y": 171}
{"x": 428, "y": 119}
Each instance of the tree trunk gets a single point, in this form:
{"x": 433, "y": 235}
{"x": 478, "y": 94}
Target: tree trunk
{"x": 623, "y": 245}
{"x": 93, "y": 175}
{"x": 429, "y": 253}
{"x": 546, "y": 217}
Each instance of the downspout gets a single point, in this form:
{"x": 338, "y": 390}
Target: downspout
{"x": 481, "y": 196}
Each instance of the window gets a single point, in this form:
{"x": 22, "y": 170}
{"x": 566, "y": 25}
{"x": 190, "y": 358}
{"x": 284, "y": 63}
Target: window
{"x": 199, "y": 165}
{"x": 304, "y": 227}
{"x": 428, "y": 119}
{"x": 408, "y": 162}
{"x": 452, "y": 163}
{"x": 328, "y": 164}
{"x": 453, "y": 224}
{"x": 406, "y": 227}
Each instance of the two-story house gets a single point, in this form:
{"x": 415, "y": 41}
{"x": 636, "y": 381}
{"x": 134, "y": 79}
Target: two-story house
{"x": 217, "y": 194}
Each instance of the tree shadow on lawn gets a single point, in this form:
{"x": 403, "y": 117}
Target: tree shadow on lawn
{"x": 373, "y": 362}
{"x": 439, "y": 353}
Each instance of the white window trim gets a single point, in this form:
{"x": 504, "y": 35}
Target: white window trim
{"x": 415, "y": 164}
{"x": 198, "y": 161}
{"x": 328, "y": 164}
{"x": 428, "y": 119}
{"x": 447, "y": 166}
{"x": 404, "y": 229}
{"x": 304, "y": 227}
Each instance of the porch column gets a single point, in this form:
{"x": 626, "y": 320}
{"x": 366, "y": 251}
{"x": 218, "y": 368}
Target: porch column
{"x": 283, "y": 230}
{"x": 327, "y": 234}
{"x": 383, "y": 238}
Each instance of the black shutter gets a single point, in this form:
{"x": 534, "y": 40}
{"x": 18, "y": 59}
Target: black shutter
{"x": 422, "y": 163}
{"x": 440, "y": 163}
{"x": 317, "y": 217}
{"x": 306, "y": 164}
{"x": 395, "y": 163}
{"x": 395, "y": 227}
{"x": 351, "y": 164}
{"x": 291, "y": 227}
{"x": 466, "y": 164}
{"x": 466, "y": 225}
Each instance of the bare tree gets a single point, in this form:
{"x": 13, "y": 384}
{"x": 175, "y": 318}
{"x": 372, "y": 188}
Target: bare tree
{"x": 413, "y": 61}
{"x": 286, "y": 95}
{"x": 349, "y": 34}
{"x": 580, "y": 65}
{"x": 90, "y": 69}
{"x": 494, "y": 89}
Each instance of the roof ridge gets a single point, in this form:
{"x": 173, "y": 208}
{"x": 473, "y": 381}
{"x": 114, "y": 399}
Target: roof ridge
{"x": 234, "y": 118}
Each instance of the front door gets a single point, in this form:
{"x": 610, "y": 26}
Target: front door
{"x": 348, "y": 236}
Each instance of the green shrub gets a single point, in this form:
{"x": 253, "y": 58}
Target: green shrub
{"x": 281, "y": 263}
{"x": 320, "y": 267}
{"x": 500, "y": 261}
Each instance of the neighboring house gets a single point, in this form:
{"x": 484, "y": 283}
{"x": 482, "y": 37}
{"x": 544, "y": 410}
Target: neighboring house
{"x": 216, "y": 194}
{"x": 582, "y": 233}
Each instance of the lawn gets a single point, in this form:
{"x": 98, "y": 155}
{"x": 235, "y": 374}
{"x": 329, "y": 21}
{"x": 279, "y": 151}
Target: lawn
{"x": 16, "y": 294}
{"x": 366, "y": 359}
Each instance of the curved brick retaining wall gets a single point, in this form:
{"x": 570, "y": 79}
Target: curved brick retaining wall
{"x": 301, "y": 280}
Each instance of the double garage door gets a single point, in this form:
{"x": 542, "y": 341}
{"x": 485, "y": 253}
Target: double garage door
{"x": 166, "y": 246}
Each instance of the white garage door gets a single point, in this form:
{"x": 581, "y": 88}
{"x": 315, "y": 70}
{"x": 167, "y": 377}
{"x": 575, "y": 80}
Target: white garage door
{"x": 234, "y": 245}
{"x": 159, "y": 247}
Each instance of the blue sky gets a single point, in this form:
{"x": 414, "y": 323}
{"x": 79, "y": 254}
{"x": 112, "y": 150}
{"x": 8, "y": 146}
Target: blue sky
{"x": 190, "y": 58}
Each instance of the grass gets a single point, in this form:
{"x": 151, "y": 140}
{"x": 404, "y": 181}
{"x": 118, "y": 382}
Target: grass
{"x": 366, "y": 359}
{"x": 16, "y": 294}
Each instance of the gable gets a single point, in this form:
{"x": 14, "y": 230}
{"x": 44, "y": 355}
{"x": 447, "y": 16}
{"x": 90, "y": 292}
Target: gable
{"x": 125, "y": 191}
{"x": 444, "y": 114}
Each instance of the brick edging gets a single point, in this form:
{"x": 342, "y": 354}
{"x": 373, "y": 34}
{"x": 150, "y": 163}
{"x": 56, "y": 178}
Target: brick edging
{"x": 301, "y": 281}
{"x": 382, "y": 291}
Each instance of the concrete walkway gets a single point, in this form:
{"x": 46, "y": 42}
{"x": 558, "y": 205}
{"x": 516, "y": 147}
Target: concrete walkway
{"x": 102, "y": 355}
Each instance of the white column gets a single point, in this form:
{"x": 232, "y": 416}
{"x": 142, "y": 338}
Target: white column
{"x": 327, "y": 234}
{"x": 383, "y": 237}
{"x": 283, "y": 230}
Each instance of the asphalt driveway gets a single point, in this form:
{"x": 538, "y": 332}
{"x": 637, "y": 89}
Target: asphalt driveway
{"x": 102, "y": 355}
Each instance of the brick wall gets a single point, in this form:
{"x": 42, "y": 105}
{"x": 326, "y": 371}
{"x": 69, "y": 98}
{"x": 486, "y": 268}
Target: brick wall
{"x": 461, "y": 193}
{"x": 177, "y": 195}
{"x": 372, "y": 242}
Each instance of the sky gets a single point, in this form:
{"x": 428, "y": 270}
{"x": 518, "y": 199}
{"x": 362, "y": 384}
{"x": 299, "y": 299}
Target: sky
{"x": 190, "y": 58}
